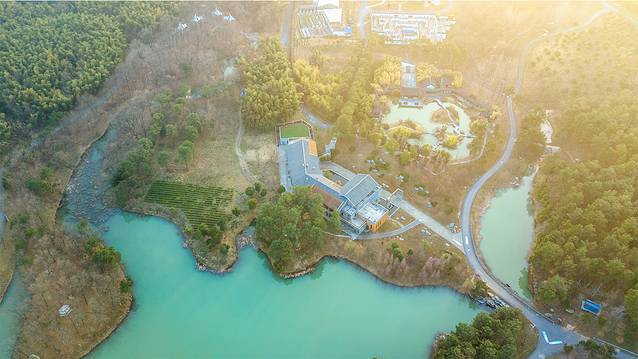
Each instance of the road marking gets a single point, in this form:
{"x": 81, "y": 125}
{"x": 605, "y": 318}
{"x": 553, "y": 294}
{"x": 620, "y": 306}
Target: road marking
{"x": 467, "y": 241}
{"x": 553, "y": 342}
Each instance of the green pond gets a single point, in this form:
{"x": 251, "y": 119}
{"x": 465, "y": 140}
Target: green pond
{"x": 506, "y": 243}
{"x": 337, "y": 311}
{"x": 423, "y": 117}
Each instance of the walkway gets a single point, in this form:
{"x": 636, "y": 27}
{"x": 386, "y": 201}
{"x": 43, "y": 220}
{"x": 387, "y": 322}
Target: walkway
{"x": 245, "y": 171}
{"x": 314, "y": 120}
{"x": 418, "y": 215}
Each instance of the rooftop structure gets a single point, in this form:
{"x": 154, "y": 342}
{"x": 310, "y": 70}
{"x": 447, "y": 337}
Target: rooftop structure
{"x": 358, "y": 202}
{"x": 313, "y": 23}
{"x": 334, "y": 15}
{"x": 408, "y": 74}
{"x": 402, "y": 28}
{"x": 196, "y": 18}
{"x": 331, "y": 9}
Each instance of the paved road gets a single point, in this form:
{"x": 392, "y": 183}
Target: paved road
{"x": 417, "y": 214}
{"x": 314, "y": 120}
{"x": 551, "y": 335}
{"x": 388, "y": 234}
{"x": 622, "y": 12}
{"x": 554, "y": 332}
{"x": 285, "y": 25}
{"x": 361, "y": 22}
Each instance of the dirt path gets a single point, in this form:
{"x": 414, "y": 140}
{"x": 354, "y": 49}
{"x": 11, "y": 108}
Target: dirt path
{"x": 245, "y": 170}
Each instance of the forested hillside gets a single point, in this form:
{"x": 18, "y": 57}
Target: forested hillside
{"x": 588, "y": 200}
{"x": 503, "y": 333}
{"x": 51, "y": 53}
{"x": 271, "y": 96}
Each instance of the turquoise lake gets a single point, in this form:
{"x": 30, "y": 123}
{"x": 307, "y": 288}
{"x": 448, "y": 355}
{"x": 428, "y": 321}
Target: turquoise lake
{"x": 339, "y": 311}
{"x": 505, "y": 244}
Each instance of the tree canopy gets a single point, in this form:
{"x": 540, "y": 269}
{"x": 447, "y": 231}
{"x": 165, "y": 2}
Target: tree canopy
{"x": 389, "y": 73}
{"x": 291, "y": 228}
{"x": 589, "y": 207}
{"x": 270, "y": 93}
{"x": 500, "y": 334}
{"x": 51, "y": 53}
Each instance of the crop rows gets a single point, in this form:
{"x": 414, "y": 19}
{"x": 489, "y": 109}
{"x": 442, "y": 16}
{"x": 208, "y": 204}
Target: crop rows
{"x": 200, "y": 204}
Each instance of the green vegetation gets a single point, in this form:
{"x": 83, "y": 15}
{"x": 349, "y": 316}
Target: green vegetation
{"x": 319, "y": 90}
{"x": 578, "y": 64}
{"x": 480, "y": 289}
{"x": 42, "y": 184}
{"x": 295, "y": 130}
{"x": 531, "y": 142}
{"x": 126, "y": 285}
{"x": 271, "y": 96}
{"x": 345, "y": 97}
{"x": 101, "y": 254}
{"x": 396, "y": 251}
{"x": 292, "y": 228}
{"x": 590, "y": 349}
{"x": 170, "y": 140}
{"x": 588, "y": 210}
{"x": 503, "y": 333}
{"x": 356, "y": 112}
{"x": 134, "y": 173}
{"x": 201, "y": 205}
{"x": 388, "y": 74}
{"x": 54, "y": 52}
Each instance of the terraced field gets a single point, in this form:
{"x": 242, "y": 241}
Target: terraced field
{"x": 200, "y": 204}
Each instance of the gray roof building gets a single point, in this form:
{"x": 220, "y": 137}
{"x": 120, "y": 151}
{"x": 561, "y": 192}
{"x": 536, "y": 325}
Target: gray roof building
{"x": 358, "y": 201}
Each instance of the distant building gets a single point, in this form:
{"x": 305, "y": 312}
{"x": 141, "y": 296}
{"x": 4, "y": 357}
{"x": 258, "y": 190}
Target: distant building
{"x": 312, "y": 22}
{"x": 330, "y": 147}
{"x": 408, "y": 74}
{"x": 410, "y": 93}
{"x": 334, "y": 15}
{"x": 402, "y": 28}
{"x": 331, "y": 9}
{"x": 358, "y": 201}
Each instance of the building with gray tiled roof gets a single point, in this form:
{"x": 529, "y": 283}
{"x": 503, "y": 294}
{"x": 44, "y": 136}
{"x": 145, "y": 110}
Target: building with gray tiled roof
{"x": 358, "y": 201}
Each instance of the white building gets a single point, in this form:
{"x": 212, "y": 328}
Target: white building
{"x": 405, "y": 27}
{"x": 408, "y": 74}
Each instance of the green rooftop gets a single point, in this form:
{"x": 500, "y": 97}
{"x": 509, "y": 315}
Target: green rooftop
{"x": 295, "y": 130}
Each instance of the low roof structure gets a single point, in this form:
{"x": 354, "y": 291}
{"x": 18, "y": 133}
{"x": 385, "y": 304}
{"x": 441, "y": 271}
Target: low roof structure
{"x": 358, "y": 189}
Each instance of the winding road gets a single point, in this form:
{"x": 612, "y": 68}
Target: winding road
{"x": 551, "y": 335}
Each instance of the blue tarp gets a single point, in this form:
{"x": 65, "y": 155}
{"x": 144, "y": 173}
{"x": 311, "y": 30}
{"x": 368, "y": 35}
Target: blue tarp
{"x": 591, "y": 307}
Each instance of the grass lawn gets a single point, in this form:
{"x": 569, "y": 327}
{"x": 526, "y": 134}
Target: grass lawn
{"x": 295, "y": 130}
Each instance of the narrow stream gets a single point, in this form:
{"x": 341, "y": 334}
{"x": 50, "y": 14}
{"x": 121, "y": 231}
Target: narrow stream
{"x": 505, "y": 243}
{"x": 13, "y": 305}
